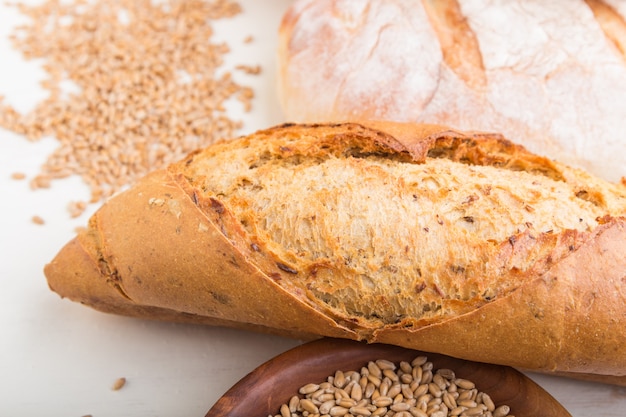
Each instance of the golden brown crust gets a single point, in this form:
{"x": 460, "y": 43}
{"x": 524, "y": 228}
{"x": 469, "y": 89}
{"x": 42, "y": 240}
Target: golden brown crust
{"x": 167, "y": 249}
{"x": 551, "y": 323}
{"x": 155, "y": 218}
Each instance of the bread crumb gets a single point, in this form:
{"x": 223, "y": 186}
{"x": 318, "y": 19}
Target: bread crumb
{"x": 119, "y": 384}
{"x": 248, "y": 39}
{"x": 37, "y": 220}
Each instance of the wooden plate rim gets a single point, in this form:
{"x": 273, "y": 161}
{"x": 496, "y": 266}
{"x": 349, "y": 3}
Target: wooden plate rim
{"x": 262, "y": 391}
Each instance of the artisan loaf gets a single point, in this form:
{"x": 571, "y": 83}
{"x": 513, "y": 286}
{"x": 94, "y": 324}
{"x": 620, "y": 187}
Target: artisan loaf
{"x": 417, "y": 235}
{"x": 548, "y": 75}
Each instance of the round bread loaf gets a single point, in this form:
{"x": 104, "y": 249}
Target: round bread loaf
{"x": 548, "y": 75}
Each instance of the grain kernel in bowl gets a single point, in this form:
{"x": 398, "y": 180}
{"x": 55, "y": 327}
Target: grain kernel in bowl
{"x": 147, "y": 86}
{"x": 382, "y": 388}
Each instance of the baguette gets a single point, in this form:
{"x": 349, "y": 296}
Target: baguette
{"x": 461, "y": 243}
{"x": 548, "y": 75}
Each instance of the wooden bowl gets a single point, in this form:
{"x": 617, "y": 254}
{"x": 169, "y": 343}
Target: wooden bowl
{"x": 264, "y": 390}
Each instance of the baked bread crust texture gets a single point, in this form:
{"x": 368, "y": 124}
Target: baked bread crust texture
{"x": 460, "y": 243}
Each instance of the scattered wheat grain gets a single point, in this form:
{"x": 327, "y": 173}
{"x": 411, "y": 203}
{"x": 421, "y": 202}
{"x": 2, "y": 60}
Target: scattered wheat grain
{"x": 118, "y": 384}
{"x": 18, "y": 176}
{"x": 146, "y": 86}
{"x": 76, "y": 208}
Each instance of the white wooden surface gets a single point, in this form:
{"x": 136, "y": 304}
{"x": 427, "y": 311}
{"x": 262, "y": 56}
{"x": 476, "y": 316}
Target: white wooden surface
{"x": 58, "y": 358}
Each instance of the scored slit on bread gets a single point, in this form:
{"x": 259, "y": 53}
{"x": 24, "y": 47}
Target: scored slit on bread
{"x": 470, "y": 220}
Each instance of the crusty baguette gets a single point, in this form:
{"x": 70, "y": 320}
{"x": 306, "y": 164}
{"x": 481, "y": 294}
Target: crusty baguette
{"x": 548, "y": 75}
{"x": 417, "y": 235}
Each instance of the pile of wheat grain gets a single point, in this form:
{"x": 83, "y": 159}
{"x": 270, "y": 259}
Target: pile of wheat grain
{"x": 147, "y": 87}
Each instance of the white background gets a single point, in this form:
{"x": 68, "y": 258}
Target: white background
{"x": 58, "y": 358}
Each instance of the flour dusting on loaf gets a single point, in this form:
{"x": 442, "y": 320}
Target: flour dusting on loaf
{"x": 548, "y": 75}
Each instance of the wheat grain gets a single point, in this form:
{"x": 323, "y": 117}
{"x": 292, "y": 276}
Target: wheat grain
{"x": 147, "y": 89}
{"x": 375, "y": 392}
